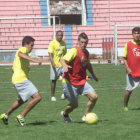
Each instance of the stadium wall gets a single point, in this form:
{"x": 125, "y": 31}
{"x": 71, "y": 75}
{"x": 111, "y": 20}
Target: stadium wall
{"x": 102, "y": 15}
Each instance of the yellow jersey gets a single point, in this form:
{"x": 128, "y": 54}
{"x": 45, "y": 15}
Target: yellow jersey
{"x": 72, "y": 53}
{"x": 58, "y": 49}
{"x": 20, "y": 67}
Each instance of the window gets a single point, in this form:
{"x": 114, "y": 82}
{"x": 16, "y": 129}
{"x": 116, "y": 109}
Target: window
{"x": 69, "y": 12}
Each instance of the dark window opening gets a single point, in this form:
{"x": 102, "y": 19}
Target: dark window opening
{"x": 68, "y": 19}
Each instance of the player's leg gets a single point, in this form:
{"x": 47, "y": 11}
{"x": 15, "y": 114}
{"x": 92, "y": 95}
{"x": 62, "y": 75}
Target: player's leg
{"x": 92, "y": 98}
{"x": 53, "y": 85}
{"x": 26, "y": 90}
{"x": 14, "y": 106}
{"x": 126, "y": 99}
{"x": 69, "y": 108}
{"x": 131, "y": 84}
{"x": 60, "y": 75}
{"x": 71, "y": 94}
{"x": 129, "y": 88}
{"x": 36, "y": 98}
{"x": 65, "y": 114}
{"x": 53, "y": 78}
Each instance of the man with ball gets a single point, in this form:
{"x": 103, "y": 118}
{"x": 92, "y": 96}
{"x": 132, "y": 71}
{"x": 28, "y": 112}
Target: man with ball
{"x": 75, "y": 62}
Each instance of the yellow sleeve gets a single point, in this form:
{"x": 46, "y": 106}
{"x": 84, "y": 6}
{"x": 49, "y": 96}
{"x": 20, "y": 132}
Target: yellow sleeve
{"x": 70, "y": 55}
{"x": 65, "y": 49}
{"x": 125, "y": 51}
{"x": 23, "y": 50}
{"x": 51, "y": 47}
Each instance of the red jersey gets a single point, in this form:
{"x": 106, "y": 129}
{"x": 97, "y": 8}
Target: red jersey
{"x": 133, "y": 58}
{"x": 77, "y": 74}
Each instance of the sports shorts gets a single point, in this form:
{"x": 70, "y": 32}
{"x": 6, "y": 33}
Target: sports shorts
{"x": 71, "y": 92}
{"x": 25, "y": 90}
{"x": 131, "y": 83}
{"x": 56, "y": 72}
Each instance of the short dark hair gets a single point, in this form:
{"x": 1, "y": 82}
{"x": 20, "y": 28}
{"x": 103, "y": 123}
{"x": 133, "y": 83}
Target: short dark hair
{"x": 59, "y": 32}
{"x": 136, "y": 29}
{"x": 83, "y": 35}
{"x": 27, "y": 40}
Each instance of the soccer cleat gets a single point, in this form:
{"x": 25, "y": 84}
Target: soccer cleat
{"x": 83, "y": 118}
{"x": 60, "y": 78}
{"x": 53, "y": 99}
{"x": 21, "y": 120}
{"x": 67, "y": 119}
{"x": 125, "y": 108}
{"x": 63, "y": 96}
{"x": 4, "y": 118}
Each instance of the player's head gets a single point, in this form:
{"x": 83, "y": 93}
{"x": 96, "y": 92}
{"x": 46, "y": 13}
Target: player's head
{"x": 82, "y": 40}
{"x": 136, "y": 29}
{"x": 136, "y": 34}
{"x": 28, "y": 42}
{"x": 59, "y": 35}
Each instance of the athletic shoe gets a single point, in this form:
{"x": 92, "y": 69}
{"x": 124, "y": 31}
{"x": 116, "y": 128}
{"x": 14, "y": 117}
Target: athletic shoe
{"x": 63, "y": 96}
{"x": 83, "y": 118}
{"x": 67, "y": 119}
{"x": 53, "y": 99}
{"x": 21, "y": 120}
{"x": 4, "y": 118}
{"x": 60, "y": 78}
{"x": 125, "y": 108}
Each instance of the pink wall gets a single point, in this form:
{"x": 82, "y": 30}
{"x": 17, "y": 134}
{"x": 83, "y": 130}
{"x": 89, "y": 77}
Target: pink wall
{"x": 105, "y": 14}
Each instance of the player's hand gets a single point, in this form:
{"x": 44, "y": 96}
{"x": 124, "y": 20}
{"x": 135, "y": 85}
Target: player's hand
{"x": 96, "y": 79}
{"x": 39, "y": 62}
{"x": 12, "y": 71}
{"x": 128, "y": 70}
{"x": 53, "y": 65}
{"x": 66, "y": 68}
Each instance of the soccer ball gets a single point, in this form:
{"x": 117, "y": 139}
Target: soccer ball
{"x": 91, "y": 118}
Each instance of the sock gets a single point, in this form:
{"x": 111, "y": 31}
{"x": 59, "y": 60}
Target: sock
{"x": 21, "y": 117}
{"x": 6, "y": 117}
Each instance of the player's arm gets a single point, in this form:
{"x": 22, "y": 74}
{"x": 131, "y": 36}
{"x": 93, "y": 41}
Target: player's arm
{"x": 90, "y": 69}
{"x": 50, "y": 51}
{"x": 128, "y": 70}
{"x": 24, "y": 56}
{"x": 51, "y": 58}
{"x": 68, "y": 57}
{"x": 65, "y": 65}
{"x": 12, "y": 70}
{"x": 125, "y": 60}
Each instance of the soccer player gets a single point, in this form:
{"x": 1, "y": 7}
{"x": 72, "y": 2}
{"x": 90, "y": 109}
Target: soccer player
{"x": 24, "y": 87}
{"x": 131, "y": 59}
{"x": 57, "y": 49}
{"x": 75, "y": 63}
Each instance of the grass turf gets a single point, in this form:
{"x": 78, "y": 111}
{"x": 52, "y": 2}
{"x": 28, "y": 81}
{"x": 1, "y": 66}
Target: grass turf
{"x": 45, "y": 123}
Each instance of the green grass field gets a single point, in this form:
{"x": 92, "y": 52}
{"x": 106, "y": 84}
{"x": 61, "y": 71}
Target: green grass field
{"x": 45, "y": 123}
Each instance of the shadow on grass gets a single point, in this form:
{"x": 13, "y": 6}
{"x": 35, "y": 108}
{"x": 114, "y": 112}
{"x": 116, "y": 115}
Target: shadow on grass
{"x": 41, "y": 123}
{"x": 81, "y": 122}
{"x": 78, "y": 122}
{"x": 134, "y": 109}
{"x": 103, "y": 120}
{"x": 51, "y": 122}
